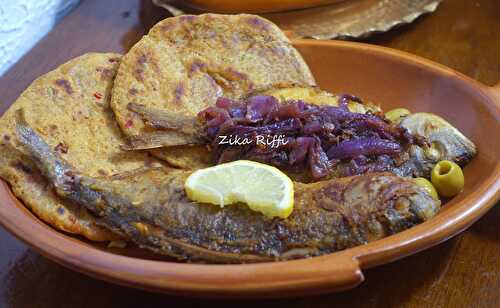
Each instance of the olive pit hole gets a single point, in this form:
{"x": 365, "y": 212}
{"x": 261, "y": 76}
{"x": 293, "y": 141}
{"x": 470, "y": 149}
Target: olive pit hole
{"x": 444, "y": 168}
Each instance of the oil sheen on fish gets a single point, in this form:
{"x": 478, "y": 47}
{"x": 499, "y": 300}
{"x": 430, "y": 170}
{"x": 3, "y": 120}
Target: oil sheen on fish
{"x": 445, "y": 142}
{"x": 150, "y": 207}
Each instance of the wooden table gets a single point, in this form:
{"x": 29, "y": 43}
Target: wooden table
{"x": 462, "y": 272}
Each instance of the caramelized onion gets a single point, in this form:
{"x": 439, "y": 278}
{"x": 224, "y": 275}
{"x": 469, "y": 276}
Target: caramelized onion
{"x": 317, "y": 137}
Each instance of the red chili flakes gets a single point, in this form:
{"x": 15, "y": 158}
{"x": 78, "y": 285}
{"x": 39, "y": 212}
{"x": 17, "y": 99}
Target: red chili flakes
{"x": 129, "y": 123}
{"x": 98, "y": 95}
{"x": 113, "y": 60}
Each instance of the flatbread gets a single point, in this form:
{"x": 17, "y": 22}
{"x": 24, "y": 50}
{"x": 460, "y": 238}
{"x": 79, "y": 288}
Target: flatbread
{"x": 69, "y": 107}
{"x": 185, "y": 63}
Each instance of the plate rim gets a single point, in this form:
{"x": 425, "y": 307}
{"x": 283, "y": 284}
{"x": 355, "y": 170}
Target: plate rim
{"x": 333, "y": 272}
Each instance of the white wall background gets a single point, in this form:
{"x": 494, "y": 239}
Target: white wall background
{"x": 24, "y": 22}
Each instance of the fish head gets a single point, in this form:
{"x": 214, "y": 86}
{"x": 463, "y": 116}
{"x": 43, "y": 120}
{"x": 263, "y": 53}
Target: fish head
{"x": 445, "y": 141}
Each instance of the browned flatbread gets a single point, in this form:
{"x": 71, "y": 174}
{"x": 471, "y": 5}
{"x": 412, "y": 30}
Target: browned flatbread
{"x": 69, "y": 107}
{"x": 185, "y": 63}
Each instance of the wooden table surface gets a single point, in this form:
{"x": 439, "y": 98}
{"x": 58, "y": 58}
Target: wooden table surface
{"x": 462, "y": 272}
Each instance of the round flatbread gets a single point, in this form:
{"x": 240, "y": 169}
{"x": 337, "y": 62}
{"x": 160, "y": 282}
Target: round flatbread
{"x": 69, "y": 108}
{"x": 185, "y": 63}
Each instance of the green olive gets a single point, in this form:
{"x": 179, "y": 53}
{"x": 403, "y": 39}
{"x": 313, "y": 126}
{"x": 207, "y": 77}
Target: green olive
{"x": 448, "y": 178}
{"x": 395, "y": 115}
{"x": 427, "y": 185}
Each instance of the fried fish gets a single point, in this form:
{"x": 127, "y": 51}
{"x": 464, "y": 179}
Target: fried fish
{"x": 151, "y": 208}
{"x": 445, "y": 142}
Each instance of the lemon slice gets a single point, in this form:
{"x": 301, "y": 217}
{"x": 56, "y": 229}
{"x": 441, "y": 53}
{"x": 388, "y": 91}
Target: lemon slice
{"x": 263, "y": 188}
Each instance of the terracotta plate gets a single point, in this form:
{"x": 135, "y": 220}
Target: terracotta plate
{"x": 386, "y": 76}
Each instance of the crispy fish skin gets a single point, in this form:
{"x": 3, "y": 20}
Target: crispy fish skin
{"x": 35, "y": 191}
{"x": 172, "y": 130}
{"x": 159, "y": 139}
{"x": 159, "y": 119}
{"x": 445, "y": 143}
{"x": 151, "y": 208}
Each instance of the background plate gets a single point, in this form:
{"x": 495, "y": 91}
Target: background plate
{"x": 348, "y": 19}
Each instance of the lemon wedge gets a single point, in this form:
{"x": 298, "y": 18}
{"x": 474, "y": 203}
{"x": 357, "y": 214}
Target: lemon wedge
{"x": 263, "y": 188}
